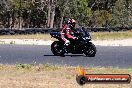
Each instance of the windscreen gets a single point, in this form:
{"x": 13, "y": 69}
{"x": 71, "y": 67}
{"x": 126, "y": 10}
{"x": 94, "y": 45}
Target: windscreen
{"x": 84, "y": 32}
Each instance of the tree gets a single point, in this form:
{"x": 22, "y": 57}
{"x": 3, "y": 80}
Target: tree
{"x": 101, "y": 4}
{"x": 120, "y": 14}
{"x": 103, "y": 18}
{"x": 50, "y": 13}
{"x": 76, "y": 9}
{"x": 61, "y": 7}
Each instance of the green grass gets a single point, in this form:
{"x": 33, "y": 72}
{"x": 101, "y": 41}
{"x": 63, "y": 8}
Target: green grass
{"x": 95, "y": 36}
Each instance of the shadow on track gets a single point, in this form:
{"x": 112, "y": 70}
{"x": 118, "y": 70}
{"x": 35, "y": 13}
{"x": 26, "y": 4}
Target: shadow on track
{"x": 66, "y": 55}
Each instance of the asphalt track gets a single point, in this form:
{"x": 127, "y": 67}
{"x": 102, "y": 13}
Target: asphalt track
{"x": 107, "y": 56}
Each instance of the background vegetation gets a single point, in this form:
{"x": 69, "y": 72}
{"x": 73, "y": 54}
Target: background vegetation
{"x": 50, "y": 13}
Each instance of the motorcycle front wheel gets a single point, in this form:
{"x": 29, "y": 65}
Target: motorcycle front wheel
{"x": 56, "y": 48}
{"x": 90, "y": 50}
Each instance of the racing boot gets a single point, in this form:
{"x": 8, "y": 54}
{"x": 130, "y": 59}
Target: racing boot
{"x": 64, "y": 50}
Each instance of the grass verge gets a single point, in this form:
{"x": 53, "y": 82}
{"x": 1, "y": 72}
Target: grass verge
{"x": 95, "y": 36}
{"x": 50, "y": 76}
{"x": 111, "y": 35}
{"x": 29, "y": 36}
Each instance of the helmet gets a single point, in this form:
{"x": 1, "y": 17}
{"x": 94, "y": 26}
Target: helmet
{"x": 72, "y": 22}
{"x": 69, "y": 21}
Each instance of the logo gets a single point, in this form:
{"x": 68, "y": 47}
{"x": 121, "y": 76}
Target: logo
{"x": 84, "y": 78}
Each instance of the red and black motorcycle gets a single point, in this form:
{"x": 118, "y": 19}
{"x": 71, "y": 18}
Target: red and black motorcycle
{"x": 82, "y": 45}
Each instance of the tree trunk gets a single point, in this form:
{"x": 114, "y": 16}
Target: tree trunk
{"x": 20, "y": 23}
{"x": 63, "y": 11}
{"x": 52, "y": 15}
{"x": 49, "y": 11}
{"x": 52, "y": 19}
{"x": 94, "y": 19}
{"x": 61, "y": 22}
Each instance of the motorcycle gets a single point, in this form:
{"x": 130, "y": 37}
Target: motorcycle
{"x": 82, "y": 45}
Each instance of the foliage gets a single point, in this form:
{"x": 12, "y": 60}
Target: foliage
{"x": 90, "y": 13}
{"x": 103, "y": 18}
{"x": 76, "y": 9}
{"x": 24, "y": 66}
{"x": 120, "y": 14}
{"x": 101, "y": 4}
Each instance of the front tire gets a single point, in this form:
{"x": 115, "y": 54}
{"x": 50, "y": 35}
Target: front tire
{"x": 56, "y": 48}
{"x": 90, "y": 50}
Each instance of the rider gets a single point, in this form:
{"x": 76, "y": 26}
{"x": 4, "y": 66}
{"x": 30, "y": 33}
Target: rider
{"x": 66, "y": 32}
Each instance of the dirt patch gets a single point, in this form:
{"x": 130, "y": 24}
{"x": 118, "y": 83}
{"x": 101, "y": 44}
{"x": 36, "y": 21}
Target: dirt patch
{"x": 119, "y": 42}
{"x": 123, "y": 42}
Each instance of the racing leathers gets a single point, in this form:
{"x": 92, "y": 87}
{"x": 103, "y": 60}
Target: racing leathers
{"x": 66, "y": 34}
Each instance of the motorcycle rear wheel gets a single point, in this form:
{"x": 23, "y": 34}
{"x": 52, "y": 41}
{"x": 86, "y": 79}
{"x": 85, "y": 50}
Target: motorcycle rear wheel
{"x": 56, "y": 48}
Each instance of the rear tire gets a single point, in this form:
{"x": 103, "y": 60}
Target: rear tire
{"x": 90, "y": 50}
{"x": 56, "y": 48}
